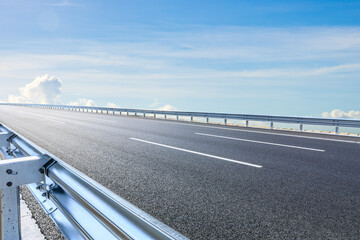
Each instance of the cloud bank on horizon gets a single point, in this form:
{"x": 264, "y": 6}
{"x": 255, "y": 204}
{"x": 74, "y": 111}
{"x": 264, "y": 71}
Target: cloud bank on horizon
{"x": 337, "y": 113}
{"x": 46, "y": 89}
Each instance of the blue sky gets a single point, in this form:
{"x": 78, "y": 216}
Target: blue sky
{"x": 261, "y": 57}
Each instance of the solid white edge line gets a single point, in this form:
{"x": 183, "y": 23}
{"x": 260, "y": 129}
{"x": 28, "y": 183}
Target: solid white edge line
{"x": 254, "y": 141}
{"x": 198, "y": 153}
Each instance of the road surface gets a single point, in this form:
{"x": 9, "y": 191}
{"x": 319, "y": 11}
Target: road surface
{"x": 208, "y": 181}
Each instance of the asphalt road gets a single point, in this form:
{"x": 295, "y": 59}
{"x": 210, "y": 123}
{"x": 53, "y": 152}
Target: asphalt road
{"x": 206, "y": 181}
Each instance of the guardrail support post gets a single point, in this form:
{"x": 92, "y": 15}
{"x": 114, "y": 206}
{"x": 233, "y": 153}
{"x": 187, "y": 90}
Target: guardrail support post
{"x": 247, "y": 123}
{"x": 301, "y": 127}
{"x": 192, "y": 119}
{"x": 225, "y": 121}
{"x": 207, "y": 120}
{"x": 337, "y": 130}
{"x": 165, "y": 116}
{"x": 177, "y": 118}
{"x": 127, "y": 113}
{"x": 154, "y": 116}
{"x": 10, "y": 213}
{"x": 272, "y": 125}
{"x": 144, "y": 115}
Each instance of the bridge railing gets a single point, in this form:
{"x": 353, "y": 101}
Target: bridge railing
{"x": 301, "y": 121}
{"x": 80, "y": 207}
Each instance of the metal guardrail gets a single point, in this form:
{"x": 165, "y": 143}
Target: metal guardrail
{"x": 335, "y": 122}
{"x": 80, "y": 207}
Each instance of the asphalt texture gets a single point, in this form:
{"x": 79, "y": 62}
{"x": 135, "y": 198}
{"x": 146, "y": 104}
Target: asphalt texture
{"x": 309, "y": 190}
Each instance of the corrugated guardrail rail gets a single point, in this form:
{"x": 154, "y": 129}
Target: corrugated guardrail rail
{"x": 335, "y": 122}
{"x": 80, "y": 207}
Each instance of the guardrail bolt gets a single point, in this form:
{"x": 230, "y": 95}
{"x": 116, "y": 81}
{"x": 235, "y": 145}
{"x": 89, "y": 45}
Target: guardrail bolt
{"x": 9, "y": 184}
{"x": 44, "y": 194}
{"x": 9, "y": 171}
{"x": 41, "y": 170}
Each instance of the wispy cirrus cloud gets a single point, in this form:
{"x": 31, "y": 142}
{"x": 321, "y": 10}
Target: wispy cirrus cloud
{"x": 216, "y": 62}
{"x": 64, "y": 3}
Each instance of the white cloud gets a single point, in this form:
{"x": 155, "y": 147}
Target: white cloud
{"x": 44, "y": 89}
{"x": 167, "y": 107}
{"x": 111, "y": 105}
{"x": 83, "y": 102}
{"x": 337, "y": 113}
{"x": 157, "y": 104}
{"x": 178, "y": 63}
{"x": 17, "y": 99}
